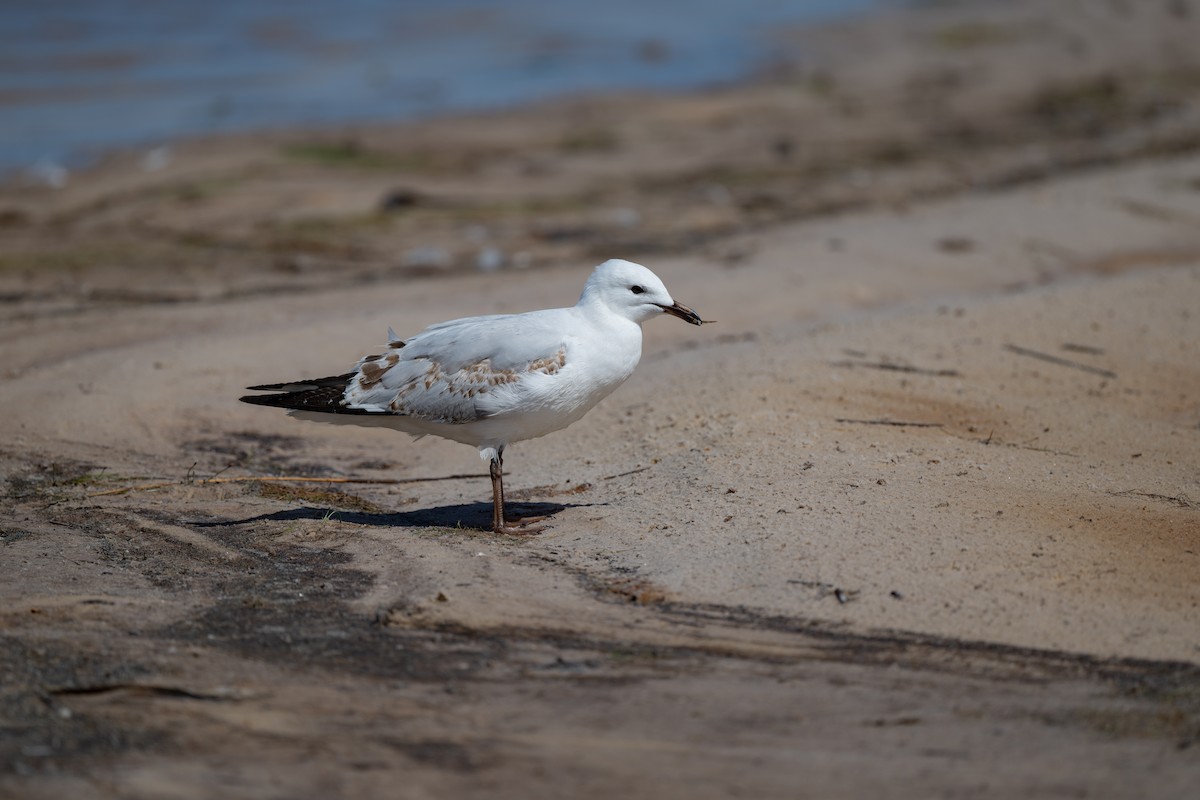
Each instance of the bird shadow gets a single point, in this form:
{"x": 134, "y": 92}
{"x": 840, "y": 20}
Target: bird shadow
{"x": 467, "y": 516}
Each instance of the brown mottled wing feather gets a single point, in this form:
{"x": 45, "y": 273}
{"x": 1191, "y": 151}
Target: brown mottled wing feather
{"x": 464, "y": 370}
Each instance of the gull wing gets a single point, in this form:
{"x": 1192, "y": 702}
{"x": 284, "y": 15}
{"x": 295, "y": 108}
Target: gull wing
{"x": 456, "y": 372}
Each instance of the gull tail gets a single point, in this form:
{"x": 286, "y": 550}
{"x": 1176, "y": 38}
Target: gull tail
{"x": 320, "y": 394}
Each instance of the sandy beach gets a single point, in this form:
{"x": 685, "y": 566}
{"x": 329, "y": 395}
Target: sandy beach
{"x": 920, "y": 515}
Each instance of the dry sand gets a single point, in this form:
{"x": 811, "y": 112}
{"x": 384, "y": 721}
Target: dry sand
{"x": 919, "y": 516}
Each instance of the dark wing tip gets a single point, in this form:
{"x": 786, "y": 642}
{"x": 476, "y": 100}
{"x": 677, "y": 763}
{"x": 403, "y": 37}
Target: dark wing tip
{"x": 307, "y": 385}
{"x": 322, "y": 394}
{"x": 285, "y": 400}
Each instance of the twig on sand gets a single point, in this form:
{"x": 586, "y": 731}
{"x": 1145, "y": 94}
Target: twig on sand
{"x": 1043, "y": 450}
{"x": 281, "y": 479}
{"x": 220, "y": 694}
{"x": 891, "y": 367}
{"x": 1058, "y": 361}
{"x": 623, "y": 474}
{"x": 1083, "y": 348}
{"x": 896, "y": 422}
{"x": 990, "y": 440}
{"x": 1183, "y": 501}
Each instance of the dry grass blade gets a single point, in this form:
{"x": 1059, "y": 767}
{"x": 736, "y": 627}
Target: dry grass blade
{"x": 895, "y": 422}
{"x": 1062, "y": 362}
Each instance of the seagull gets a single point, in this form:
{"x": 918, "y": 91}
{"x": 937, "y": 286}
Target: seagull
{"x": 494, "y": 380}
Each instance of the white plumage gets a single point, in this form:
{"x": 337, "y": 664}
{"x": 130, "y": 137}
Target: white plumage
{"x": 493, "y": 380}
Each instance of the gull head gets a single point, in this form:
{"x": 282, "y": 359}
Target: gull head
{"x": 634, "y": 292}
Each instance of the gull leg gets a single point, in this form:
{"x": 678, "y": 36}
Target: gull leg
{"x": 502, "y": 523}
{"x": 522, "y": 521}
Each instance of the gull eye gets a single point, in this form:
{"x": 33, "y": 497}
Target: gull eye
{"x": 636, "y": 289}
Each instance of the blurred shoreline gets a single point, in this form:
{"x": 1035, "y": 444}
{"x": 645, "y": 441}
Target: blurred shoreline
{"x": 955, "y": 97}
{"x": 146, "y": 74}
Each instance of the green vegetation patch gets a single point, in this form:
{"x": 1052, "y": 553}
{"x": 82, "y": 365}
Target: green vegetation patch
{"x": 969, "y": 35}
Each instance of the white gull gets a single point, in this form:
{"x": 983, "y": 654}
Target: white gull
{"x": 490, "y": 381}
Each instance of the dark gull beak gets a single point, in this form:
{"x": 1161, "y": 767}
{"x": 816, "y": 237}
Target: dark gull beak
{"x": 684, "y": 313}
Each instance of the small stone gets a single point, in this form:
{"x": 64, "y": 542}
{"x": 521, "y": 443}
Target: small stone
{"x": 624, "y": 217}
{"x": 399, "y": 199}
{"x": 156, "y": 159}
{"x": 436, "y": 257}
{"x": 489, "y": 259}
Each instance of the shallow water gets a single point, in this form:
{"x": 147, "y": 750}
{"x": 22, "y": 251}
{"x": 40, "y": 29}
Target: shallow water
{"x": 78, "y": 77}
